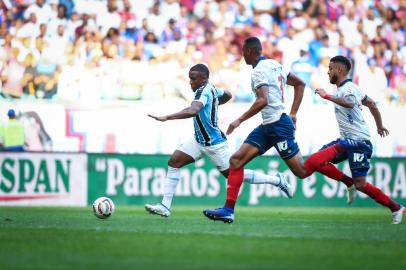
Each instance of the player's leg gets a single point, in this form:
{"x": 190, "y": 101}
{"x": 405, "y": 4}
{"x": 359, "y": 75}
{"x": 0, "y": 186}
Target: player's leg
{"x": 235, "y": 178}
{"x": 376, "y": 194}
{"x": 236, "y": 175}
{"x": 277, "y": 180}
{"x": 296, "y": 165}
{"x": 255, "y": 144}
{"x": 320, "y": 162}
{"x": 359, "y": 165}
{"x": 175, "y": 163}
{"x": 327, "y": 154}
{"x": 187, "y": 153}
{"x": 219, "y": 154}
{"x": 334, "y": 173}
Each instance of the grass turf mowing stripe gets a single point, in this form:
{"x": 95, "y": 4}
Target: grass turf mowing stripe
{"x": 261, "y": 238}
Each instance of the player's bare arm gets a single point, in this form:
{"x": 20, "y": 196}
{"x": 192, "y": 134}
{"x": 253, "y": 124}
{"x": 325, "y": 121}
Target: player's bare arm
{"x": 225, "y": 97}
{"x": 188, "y": 112}
{"x": 298, "y": 86}
{"x": 257, "y": 106}
{"x": 371, "y": 104}
{"x": 346, "y": 101}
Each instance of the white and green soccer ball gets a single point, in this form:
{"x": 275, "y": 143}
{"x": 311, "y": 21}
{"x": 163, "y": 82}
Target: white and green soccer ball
{"x": 103, "y": 207}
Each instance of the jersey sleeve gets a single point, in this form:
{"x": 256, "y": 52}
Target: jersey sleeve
{"x": 286, "y": 71}
{"x": 350, "y": 92}
{"x": 361, "y": 94}
{"x": 202, "y": 97}
{"x": 220, "y": 92}
{"x": 259, "y": 79}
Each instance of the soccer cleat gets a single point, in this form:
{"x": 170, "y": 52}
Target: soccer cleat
{"x": 223, "y": 214}
{"x": 351, "y": 194}
{"x": 158, "y": 209}
{"x": 284, "y": 186}
{"x": 398, "y": 215}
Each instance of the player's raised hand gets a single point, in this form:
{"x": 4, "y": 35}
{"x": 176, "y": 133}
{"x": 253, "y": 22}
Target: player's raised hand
{"x": 322, "y": 93}
{"x": 233, "y": 126}
{"x": 383, "y": 132}
{"x": 159, "y": 118}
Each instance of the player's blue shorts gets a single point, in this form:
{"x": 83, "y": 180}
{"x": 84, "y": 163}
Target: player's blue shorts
{"x": 358, "y": 153}
{"x": 280, "y": 135}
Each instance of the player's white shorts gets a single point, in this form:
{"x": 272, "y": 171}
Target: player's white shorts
{"x": 219, "y": 154}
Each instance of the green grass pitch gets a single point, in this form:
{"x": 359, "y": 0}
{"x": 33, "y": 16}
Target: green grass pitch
{"x": 260, "y": 238}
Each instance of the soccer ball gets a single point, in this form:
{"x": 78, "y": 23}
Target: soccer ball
{"x": 103, "y": 207}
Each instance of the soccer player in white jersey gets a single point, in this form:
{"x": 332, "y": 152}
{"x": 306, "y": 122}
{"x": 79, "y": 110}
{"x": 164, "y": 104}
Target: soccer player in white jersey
{"x": 354, "y": 133}
{"x": 268, "y": 81}
{"x": 208, "y": 140}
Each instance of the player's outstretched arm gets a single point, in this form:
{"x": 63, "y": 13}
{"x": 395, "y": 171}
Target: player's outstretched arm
{"x": 371, "y": 104}
{"x": 259, "y": 104}
{"x": 188, "y": 112}
{"x": 225, "y": 97}
{"x": 346, "y": 101}
{"x": 298, "y": 86}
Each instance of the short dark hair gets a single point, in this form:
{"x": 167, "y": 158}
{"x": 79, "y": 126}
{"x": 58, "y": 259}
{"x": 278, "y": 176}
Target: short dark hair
{"x": 253, "y": 42}
{"x": 342, "y": 60}
{"x": 202, "y": 69}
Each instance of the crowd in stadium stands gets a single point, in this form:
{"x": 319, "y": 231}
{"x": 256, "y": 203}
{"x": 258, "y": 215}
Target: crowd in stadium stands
{"x": 89, "y": 50}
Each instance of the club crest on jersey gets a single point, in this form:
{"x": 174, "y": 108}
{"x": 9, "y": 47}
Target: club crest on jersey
{"x": 358, "y": 157}
{"x": 282, "y": 146}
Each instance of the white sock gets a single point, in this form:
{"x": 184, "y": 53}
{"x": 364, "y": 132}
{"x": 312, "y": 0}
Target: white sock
{"x": 254, "y": 177}
{"x": 171, "y": 181}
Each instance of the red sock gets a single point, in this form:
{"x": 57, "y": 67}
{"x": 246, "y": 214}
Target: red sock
{"x": 331, "y": 171}
{"x": 377, "y": 194}
{"x": 322, "y": 157}
{"x": 234, "y": 181}
{"x": 348, "y": 181}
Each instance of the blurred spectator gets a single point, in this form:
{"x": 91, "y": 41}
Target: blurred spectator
{"x": 170, "y": 9}
{"x": 69, "y": 5}
{"x": 373, "y": 81}
{"x": 89, "y": 38}
{"x": 303, "y": 67}
{"x": 347, "y": 23}
{"x": 127, "y": 15}
{"x": 109, "y": 18}
{"x": 36, "y": 137}
{"x": 61, "y": 19}
{"x": 208, "y": 47}
{"x": 30, "y": 73}
{"x": 156, "y": 21}
{"x": 12, "y": 75}
{"x": 30, "y": 28}
{"x": 371, "y": 22}
{"x": 12, "y": 134}
{"x": 205, "y": 21}
{"x": 315, "y": 45}
{"x": 151, "y": 47}
{"x": 41, "y": 10}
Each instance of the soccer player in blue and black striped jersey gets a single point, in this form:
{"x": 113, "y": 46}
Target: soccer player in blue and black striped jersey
{"x": 208, "y": 140}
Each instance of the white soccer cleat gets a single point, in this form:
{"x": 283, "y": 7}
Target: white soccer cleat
{"x": 351, "y": 194}
{"x": 158, "y": 209}
{"x": 284, "y": 186}
{"x": 398, "y": 215}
